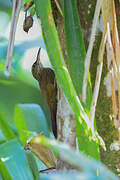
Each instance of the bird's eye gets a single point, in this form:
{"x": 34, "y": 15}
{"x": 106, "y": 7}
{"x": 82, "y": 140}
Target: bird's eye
{"x": 34, "y": 65}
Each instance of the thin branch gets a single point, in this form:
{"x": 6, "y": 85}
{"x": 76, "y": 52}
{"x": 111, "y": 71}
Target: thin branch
{"x": 114, "y": 100}
{"x": 90, "y": 47}
{"x": 105, "y": 16}
{"x": 15, "y": 14}
{"x": 111, "y": 60}
{"x": 95, "y": 94}
{"x": 116, "y": 48}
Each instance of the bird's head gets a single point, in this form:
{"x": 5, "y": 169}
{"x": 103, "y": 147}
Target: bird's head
{"x": 37, "y": 67}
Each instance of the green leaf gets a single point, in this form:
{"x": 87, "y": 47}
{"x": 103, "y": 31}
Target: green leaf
{"x": 2, "y": 138}
{"x": 88, "y": 144}
{"x": 74, "y": 44}
{"x": 6, "y": 130}
{"x": 19, "y": 92}
{"x": 33, "y": 165}
{"x": 5, "y": 5}
{"x": 1, "y": 177}
{"x": 4, "y": 171}
{"x": 13, "y": 159}
{"x": 29, "y": 117}
{"x": 89, "y": 93}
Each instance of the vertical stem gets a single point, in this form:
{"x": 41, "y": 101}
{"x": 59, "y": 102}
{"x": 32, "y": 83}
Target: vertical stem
{"x": 98, "y": 78}
{"x": 66, "y": 127}
{"x": 15, "y": 15}
{"x": 116, "y": 48}
{"x": 90, "y": 47}
{"x": 95, "y": 94}
{"x": 114, "y": 101}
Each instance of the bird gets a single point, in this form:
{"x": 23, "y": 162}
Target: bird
{"x": 48, "y": 85}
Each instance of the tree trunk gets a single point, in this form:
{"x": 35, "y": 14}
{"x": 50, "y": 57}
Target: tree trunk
{"x": 65, "y": 115}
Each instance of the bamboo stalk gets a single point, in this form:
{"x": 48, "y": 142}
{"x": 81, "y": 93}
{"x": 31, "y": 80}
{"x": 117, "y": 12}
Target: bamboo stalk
{"x": 90, "y": 47}
{"x": 95, "y": 94}
{"x": 100, "y": 65}
{"x": 116, "y": 48}
{"x": 114, "y": 100}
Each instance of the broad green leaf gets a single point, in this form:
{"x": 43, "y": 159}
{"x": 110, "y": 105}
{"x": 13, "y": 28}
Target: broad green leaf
{"x": 2, "y": 138}
{"x": 1, "y": 177}
{"x": 76, "y": 159}
{"x": 14, "y": 91}
{"x": 5, "y": 129}
{"x": 33, "y": 165}
{"x": 74, "y": 44}
{"x": 29, "y": 117}
{"x": 4, "y": 171}
{"x": 14, "y": 160}
{"x": 5, "y": 5}
{"x": 75, "y": 48}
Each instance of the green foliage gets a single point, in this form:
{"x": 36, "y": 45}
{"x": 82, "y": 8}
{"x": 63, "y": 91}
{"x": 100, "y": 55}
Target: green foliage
{"x": 19, "y": 88}
{"x": 6, "y": 130}
{"x": 14, "y": 91}
{"x": 74, "y": 44}
{"x": 35, "y": 165}
{"x": 12, "y": 155}
{"x": 5, "y": 5}
{"x": 27, "y": 120}
{"x": 29, "y": 117}
{"x": 13, "y": 159}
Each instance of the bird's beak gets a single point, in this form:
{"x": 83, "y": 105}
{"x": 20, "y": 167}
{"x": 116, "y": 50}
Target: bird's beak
{"x": 26, "y": 147}
{"x": 38, "y": 56}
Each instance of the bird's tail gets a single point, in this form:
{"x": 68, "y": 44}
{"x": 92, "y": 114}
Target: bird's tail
{"x": 54, "y": 122}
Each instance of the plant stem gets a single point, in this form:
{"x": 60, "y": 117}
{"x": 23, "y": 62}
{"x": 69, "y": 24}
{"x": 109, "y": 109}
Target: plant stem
{"x": 90, "y": 47}
{"x": 15, "y": 15}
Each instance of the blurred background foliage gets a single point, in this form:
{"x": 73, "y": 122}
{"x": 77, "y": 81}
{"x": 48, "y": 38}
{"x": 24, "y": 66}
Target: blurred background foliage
{"x": 20, "y": 87}
{"x": 22, "y": 108}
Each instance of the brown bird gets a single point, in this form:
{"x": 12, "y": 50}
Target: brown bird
{"x": 48, "y": 86}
